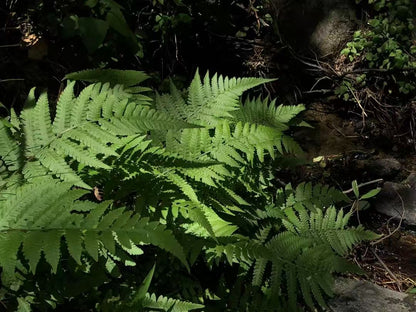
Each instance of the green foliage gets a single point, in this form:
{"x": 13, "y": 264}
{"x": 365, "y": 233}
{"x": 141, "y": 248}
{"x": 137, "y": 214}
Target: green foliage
{"x": 183, "y": 175}
{"x": 385, "y": 45}
{"x": 105, "y": 15}
{"x": 297, "y": 247}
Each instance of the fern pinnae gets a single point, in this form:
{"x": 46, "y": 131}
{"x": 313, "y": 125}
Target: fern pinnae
{"x": 183, "y": 185}
{"x": 96, "y": 144}
{"x": 42, "y": 119}
{"x": 80, "y": 106}
{"x": 168, "y": 304}
{"x": 9, "y": 149}
{"x": 77, "y": 152}
{"x": 258, "y": 271}
{"x": 32, "y": 249}
{"x": 62, "y": 119}
{"x": 60, "y": 168}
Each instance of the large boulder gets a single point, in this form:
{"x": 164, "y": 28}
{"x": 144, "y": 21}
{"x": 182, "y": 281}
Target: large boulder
{"x": 363, "y": 296}
{"x": 322, "y": 26}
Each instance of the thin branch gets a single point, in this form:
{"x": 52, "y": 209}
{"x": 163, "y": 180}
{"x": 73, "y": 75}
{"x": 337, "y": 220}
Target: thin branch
{"x": 388, "y": 270}
{"x": 10, "y": 45}
{"x": 364, "y": 184}
{"x": 377, "y": 70}
{"x": 11, "y": 79}
{"x": 398, "y": 226}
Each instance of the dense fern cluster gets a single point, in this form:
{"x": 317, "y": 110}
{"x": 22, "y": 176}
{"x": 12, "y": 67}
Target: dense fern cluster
{"x": 182, "y": 173}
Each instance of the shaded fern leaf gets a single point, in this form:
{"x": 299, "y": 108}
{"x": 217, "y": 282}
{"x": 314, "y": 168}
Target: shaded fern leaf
{"x": 112, "y": 76}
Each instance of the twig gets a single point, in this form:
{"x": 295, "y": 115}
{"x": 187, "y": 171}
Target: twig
{"x": 388, "y": 270}
{"x": 398, "y": 226}
{"x": 11, "y": 79}
{"x": 379, "y": 70}
{"x": 364, "y": 184}
{"x": 3, "y": 304}
{"x": 364, "y": 114}
{"x": 343, "y": 134}
{"x": 10, "y": 45}
{"x": 318, "y": 81}
{"x": 318, "y": 91}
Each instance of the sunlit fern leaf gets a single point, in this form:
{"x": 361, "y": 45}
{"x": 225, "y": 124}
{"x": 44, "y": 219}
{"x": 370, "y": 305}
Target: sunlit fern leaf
{"x": 78, "y": 132}
{"x": 57, "y": 166}
{"x": 196, "y": 212}
{"x": 10, "y": 151}
{"x": 310, "y": 251}
{"x": 217, "y": 226}
{"x": 42, "y": 121}
{"x": 45, "y": 212}
{"x": 182, "y": 184}
{"x": 267, "y": 113}
{"x": 62, "y": 119}
{"x": 209, "y": 100}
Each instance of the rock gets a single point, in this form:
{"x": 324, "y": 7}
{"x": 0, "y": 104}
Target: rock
{"x": 363, "y": 296}
{"x": 321, "y": 25}
{"x": 385, "y": 168}
{"x": 411, "y": 180}
{"x": 397, "y": 200}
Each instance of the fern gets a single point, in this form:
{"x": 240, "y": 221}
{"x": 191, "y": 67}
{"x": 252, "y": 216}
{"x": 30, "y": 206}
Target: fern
{"x": 188, "y": 172}
{"x": 113, "y": 76}
{"x": 151, "y": 301}
{"x": 37, "y": 216}
{"x": 311, "y": 196}
{"x": 215, "y": 98}
{"x": 310, "y": 249}
{"x": 327, "y": 228}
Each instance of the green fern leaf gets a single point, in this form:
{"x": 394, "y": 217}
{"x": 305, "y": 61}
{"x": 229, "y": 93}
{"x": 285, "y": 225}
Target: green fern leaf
{"x": 112, "y": 76}
{"x": 51, "y": 243}
{"x": 258, "y": 272}
{"x": 63, "y": 109}
{"x": 74, "y": 243}
{"x": 169, "y": 304}
{"x": 32, "y": 247}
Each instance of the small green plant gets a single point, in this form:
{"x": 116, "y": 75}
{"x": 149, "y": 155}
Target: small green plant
{"x": 383, "y": 53}
{"x": 360, "y": 202}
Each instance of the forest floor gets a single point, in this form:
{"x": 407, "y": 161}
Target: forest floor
{"x": 342, "y": 154}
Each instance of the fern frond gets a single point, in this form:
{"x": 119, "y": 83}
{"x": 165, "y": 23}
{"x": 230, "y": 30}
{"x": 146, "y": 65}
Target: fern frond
{"x": 62, "y": 119}
{"x": 37, "y": 216}
{"x": 267, "y": 113}
{"x": 10, "y": 151}
{"x": 112, "y": 76}
{"x": 327, "y": 227}
{"x": 210, "y": 100}
{"x": 311, "y": 196}
{"x": 42, "y": 121}
{"x": 258, "y": 271}
{"x": 151, "y": 301}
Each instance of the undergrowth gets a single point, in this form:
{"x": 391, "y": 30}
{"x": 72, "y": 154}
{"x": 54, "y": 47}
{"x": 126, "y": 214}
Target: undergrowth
{"x": 382, "y": 54}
